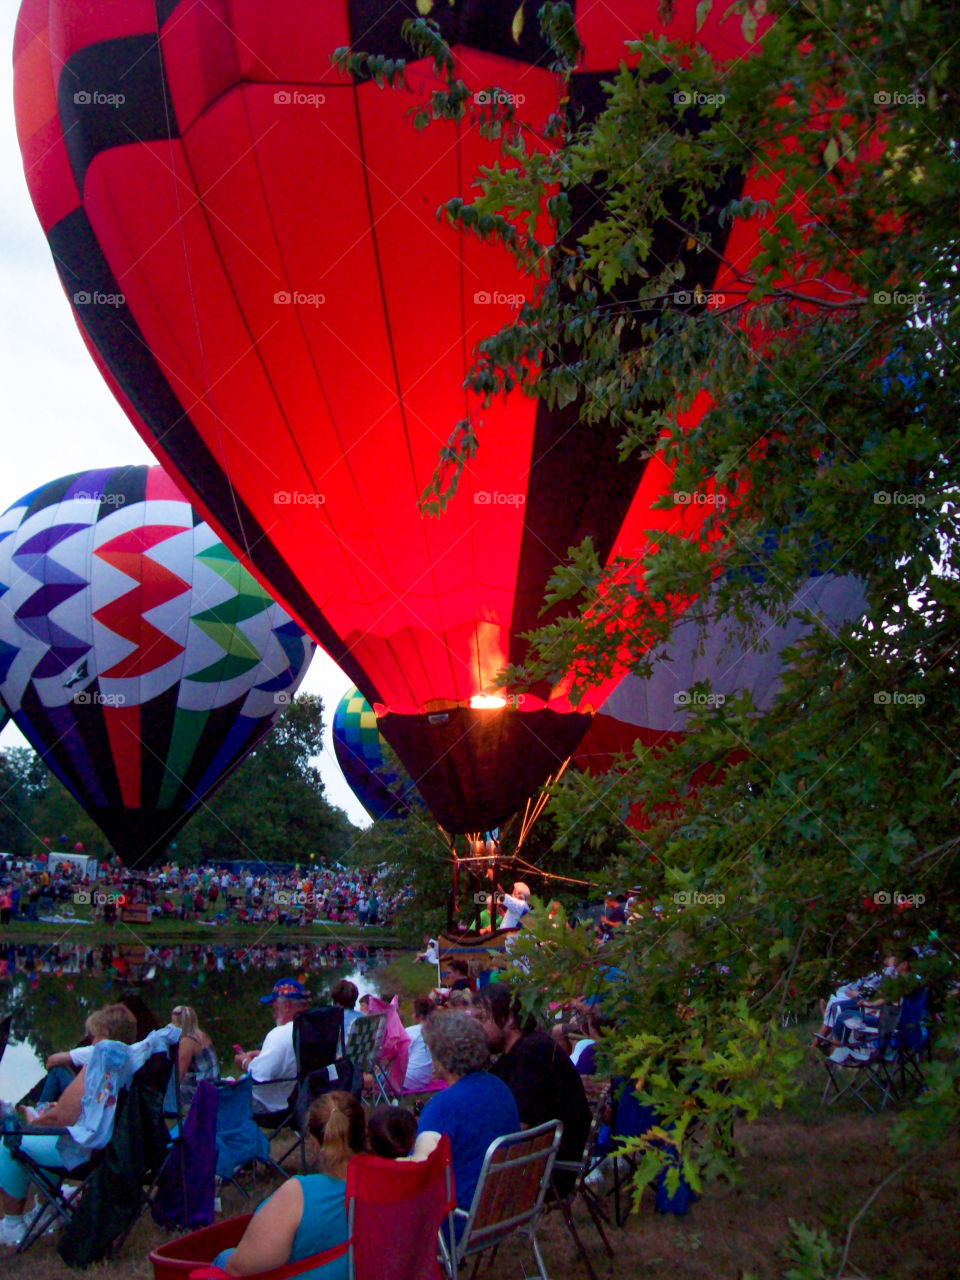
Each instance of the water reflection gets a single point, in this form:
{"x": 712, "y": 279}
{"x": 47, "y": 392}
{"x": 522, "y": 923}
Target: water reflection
{"x": 51, "y": 990}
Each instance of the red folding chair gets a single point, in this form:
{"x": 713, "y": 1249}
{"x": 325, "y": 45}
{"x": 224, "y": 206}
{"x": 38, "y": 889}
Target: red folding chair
{"x": 395, "y": 1212}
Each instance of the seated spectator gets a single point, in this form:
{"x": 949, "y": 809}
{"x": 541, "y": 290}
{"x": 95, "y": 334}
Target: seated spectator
{"x": 307, "y": 1214}
{"x": 391, "y": 1132}
{"x": 419, "y": 1071}
{"x": 474, "y": 1110}
{"x": 578, "y": 1039}
{"x": 583, "y": 1051}
{"x": 50, "y": 1150}
{"x": 345, "y": 994}
{"x": 197, "y": 1058}
{"x": 274, "y": 1065}
{"x": 113, "y": 1022}
{"x": 846, "y": 999}
{"x": 614, "y": 915}
{"x": 539, "y": 1074}
{"x": 460, "y": 975}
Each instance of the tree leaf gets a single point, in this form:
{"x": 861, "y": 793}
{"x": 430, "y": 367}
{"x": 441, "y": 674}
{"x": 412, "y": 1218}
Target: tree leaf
{"x": 517, "y": 27}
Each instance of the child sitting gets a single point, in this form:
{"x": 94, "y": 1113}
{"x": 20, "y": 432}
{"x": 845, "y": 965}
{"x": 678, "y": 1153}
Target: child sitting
{"x": 391, "y": 1132}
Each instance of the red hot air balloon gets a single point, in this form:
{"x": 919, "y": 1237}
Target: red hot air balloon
{"x": 249, "y": 244}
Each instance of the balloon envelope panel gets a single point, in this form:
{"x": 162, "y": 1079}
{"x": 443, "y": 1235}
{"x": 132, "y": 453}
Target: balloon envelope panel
{"x": 359, "y": 746}
{"x": 655, "y": 710}
{"x": 137, "y": 655}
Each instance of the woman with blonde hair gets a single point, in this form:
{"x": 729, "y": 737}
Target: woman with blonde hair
{"x": 307, "y": 1214}
{"x": 114, "y": 1023}
{"x": 197, "y": 1058}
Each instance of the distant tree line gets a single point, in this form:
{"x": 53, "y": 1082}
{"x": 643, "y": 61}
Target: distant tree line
{"x": 273, "y": 806}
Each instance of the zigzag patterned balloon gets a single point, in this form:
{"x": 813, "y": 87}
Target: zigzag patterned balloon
{"x": 138, "y": 657}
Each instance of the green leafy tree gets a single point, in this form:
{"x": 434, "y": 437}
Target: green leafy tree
{"x": 35, "y": 805}
{"x": 777, "y": 842}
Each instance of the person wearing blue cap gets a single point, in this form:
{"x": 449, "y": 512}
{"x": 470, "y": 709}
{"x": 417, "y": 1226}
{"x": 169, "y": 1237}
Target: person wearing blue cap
{"x": 274, "y": 1065}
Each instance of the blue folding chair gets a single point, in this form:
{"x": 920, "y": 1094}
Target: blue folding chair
{"x": 911, "y": 1040}
{"x": 240, "y": 1141}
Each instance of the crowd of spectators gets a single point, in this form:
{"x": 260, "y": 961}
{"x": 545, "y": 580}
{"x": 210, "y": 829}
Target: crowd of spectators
{"x": 485, "y": 1066}
{"x": 486, "y": 1069}
{"x": 210, "y": 893}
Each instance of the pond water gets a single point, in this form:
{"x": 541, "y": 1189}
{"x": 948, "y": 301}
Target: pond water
{"x": 51, "y": 989}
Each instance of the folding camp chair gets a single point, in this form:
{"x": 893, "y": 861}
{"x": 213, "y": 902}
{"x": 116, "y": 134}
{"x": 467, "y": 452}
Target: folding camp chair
{"x": 241, "y": 1143}
{"x": 391, "y": 1065}
{"x": 396, "y": 1210}
{"x": 140, "y": 1145}
{"x": 869, "y": 1059}
{"x": 632, "y": 1119}
{"x": 581, "y": 1190}
{"x": 911, "y": 1042}
{"x": 510, "y": 1192}
{"x": 364, "y": 1042}
{"x": 317, "y": 1039}
{"x": 317, "y": 1034}
{"x": 185, "y": 1195}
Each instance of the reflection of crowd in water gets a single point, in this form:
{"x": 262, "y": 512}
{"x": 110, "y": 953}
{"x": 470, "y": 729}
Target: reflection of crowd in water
{"x": 208, "y": 893}
{"x": 139, "y": 963}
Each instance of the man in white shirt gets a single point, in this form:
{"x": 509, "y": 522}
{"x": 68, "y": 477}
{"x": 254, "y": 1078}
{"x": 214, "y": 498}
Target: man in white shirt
{"x": 274, "y": 1065}
{"x": 516, "y": 905}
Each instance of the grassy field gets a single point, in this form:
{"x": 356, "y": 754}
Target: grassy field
{"x": 818, "y": 1168}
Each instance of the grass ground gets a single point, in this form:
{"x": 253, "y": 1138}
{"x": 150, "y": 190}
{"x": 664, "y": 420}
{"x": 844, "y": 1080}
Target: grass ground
{"x": 814, "y": 1167}
{"x": 171, "y": 932}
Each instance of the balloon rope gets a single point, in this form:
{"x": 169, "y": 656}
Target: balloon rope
{"x": 542, "y": 800}
{"x": 524, "y": 823}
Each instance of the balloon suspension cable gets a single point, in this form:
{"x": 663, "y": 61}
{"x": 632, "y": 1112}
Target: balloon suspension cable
{"x": 532, "y": 814}
{"x": 552, "y": 875}
{"x": 455, "y": 892}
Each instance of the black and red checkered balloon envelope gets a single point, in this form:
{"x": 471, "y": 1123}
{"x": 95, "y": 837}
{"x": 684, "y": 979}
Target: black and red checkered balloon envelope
{"x": 249, "y": 243}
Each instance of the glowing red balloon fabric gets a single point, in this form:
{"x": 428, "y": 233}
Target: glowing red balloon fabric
{"x": 250, "y": 247}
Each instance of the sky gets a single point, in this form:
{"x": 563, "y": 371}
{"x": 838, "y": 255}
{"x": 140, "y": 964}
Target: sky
{"x": 56, "y": 412}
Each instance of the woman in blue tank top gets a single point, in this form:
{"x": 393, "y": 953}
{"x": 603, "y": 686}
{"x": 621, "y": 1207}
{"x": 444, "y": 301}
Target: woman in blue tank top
{"x": 307, "y": 1215}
